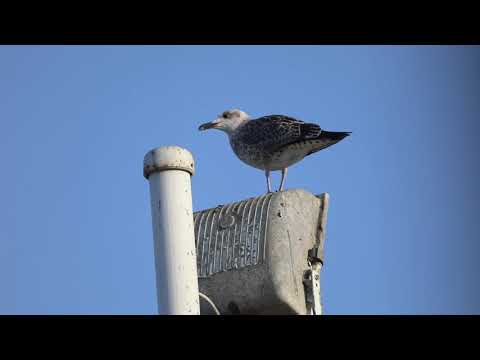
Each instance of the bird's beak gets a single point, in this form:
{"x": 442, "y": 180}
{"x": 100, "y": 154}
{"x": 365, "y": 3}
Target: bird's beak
{"x": 208, "y": 125}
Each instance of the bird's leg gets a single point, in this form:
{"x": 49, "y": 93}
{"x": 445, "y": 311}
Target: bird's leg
{"x": 269, "y": 187}
{"x": 284, "y": 176}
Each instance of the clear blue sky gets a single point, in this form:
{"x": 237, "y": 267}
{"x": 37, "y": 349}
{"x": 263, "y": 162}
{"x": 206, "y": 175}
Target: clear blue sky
{"x": 76, "y": 121}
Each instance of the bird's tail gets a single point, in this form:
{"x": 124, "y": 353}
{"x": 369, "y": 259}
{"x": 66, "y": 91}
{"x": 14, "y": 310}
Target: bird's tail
{"x": 328, "y": 138}
{"x": 334, "y": 135}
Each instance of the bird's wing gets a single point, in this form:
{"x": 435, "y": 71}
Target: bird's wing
{"x": 276, "y": 131}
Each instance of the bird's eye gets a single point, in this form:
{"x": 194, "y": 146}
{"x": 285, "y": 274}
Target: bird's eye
{"x": 226, "y": 115}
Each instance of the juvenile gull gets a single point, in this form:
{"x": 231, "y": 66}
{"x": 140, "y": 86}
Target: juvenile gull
{"x": 272, "y": 142}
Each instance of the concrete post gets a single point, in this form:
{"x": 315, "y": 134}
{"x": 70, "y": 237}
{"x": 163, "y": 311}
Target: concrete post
{"x": 169, "y": 170}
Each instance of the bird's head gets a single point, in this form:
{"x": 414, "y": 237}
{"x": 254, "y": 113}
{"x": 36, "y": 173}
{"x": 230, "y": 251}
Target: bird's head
{"x": 228, "y": 121}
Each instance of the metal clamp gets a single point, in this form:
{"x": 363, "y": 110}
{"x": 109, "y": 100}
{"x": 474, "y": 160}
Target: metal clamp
{"x": 311, "y": 281}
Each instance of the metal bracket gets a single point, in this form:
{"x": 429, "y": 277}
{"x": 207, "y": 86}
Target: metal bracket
{"x": 311, "y": 281}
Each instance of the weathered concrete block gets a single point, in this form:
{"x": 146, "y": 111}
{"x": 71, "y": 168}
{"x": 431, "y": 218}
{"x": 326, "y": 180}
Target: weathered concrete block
{"x": 252, "y": 255}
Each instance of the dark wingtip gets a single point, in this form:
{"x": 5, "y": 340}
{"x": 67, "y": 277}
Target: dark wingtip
{"x": 335, "y": 135}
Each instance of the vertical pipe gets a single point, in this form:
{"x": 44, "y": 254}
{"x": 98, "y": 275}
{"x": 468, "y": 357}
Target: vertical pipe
{"x": 317, "y": 302}
{"x": 169, "y": 170}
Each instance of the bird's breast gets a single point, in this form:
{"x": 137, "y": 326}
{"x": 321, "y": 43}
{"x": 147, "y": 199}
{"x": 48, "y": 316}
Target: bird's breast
{"x": 250, "y": 154}
{"x": 264, "y": 159}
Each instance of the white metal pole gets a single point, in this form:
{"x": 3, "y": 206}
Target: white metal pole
{"x": 169, "y": 170}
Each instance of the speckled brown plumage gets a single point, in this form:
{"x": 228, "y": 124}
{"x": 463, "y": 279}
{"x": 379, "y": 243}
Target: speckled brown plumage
{"x": 267, "y": 142}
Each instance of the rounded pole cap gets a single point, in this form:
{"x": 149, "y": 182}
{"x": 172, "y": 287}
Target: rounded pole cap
{"x": 168, "y": 158}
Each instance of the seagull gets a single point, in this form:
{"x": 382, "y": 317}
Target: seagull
{"x": 272, "y": 142}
